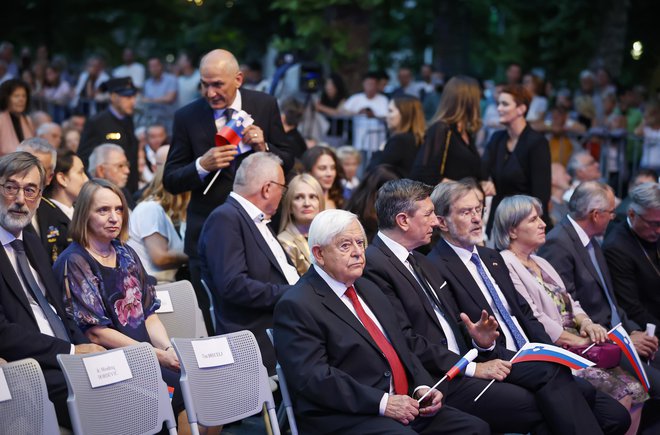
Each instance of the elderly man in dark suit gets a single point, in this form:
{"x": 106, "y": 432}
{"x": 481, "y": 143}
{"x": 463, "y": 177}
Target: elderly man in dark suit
{"x": 479, "y": 280}
{"x": 194, "y": 159}
{"x": 632, "y": 251}
{"x": 33, "y": 323}
{"x": 427, "y": 311}
{"x": 345, "y": 357}
{"x": 242, "y": 261}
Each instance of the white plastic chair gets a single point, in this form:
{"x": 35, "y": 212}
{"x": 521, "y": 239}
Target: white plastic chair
{"x": 186, "y": 319}
{"x": 216, "y": 396}
{"x": 29, "y": 411}
{"x": 286, "y": 408}
{"x": 139, "y": 405}
{"x": 207, "y": 289}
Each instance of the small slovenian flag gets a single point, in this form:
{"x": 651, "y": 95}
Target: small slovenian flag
{"x": 622, "y": 339}
{"x": 170, "y": 390}
{"x": 462, "y": 363}
{"x": 232, "y": 132}
{"x": 549, "y": 353}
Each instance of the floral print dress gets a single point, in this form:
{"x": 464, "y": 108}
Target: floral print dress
{"x": 118, "y": 297}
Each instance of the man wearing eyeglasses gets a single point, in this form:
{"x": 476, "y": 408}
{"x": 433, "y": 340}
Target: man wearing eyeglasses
{"x": 242, "y": 262}
{"x": 632, "y": 250}
{"x": 108, "y": 161}
{"x": 33, "y": 323}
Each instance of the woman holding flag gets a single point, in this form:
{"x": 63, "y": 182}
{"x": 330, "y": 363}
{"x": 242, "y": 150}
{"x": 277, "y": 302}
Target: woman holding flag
{"x": 519, "y": 231}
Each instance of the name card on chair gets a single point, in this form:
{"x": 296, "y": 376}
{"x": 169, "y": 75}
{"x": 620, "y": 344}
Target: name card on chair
{"x": 4, "y": 388}
{"x": 107, "y": 368}
{"x": 213, "y": 352}
{"x": 165, "y": 302}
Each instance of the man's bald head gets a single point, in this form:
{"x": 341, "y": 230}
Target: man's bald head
{"x": 220, "y": 78}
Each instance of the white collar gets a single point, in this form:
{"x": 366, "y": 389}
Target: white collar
{"x": 397, "y": 248}
{"x": 237, "y": 104}
{"x": 463, "y": 253}
{"x": 338, "y": 288}
{"x": 252, "y": 210}
{"x": 68, "y": 211}
{"x": 6, "y": 237}
{"x": 584, "y": 238}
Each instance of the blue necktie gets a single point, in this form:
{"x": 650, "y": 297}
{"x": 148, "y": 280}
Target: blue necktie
{"x": 504, "y": 314}
{"x": 616, "y": 319}
{"x": 24, "y": 268}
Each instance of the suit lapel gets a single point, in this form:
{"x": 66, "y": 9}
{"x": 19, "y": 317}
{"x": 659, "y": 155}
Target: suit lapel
{"x": 337, "y": 307}
{"x": 407, "y": 275}
{"x": 581, "y": 250}
{"x": 13, "y": 283}
{"x": 256, "y": 234}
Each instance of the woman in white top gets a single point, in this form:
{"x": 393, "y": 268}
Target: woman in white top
{"x": 153, "y": 230}
{"x": 539, "y": 104}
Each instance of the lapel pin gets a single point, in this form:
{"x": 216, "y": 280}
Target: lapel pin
{"x": 494, "y": 263}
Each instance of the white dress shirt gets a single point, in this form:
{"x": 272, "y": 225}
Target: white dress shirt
{"x": 68, "y": 211}
{"x": 257, "y": 216}
{"x": 465, "y": 256}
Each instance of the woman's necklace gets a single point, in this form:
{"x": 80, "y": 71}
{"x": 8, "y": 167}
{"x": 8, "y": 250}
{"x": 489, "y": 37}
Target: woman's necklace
{"x": 104, "y": 256}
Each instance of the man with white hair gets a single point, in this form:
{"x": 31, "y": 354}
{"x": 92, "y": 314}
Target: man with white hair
{"x": 108, "y": 161}
{"x": 242, "y": 262}
{"x": 344, "y": 355}
{"x": 52, "y": 132}
{"x": 581, "y": 167}
{"x": 632, "y": 250}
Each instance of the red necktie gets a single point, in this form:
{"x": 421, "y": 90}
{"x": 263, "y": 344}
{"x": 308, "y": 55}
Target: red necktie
{"x": 398, "y": 372}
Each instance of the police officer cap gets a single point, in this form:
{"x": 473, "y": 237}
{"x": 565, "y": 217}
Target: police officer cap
{"x": 122, "y": 86}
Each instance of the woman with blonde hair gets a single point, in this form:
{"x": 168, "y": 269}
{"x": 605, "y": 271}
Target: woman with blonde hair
{"x": 303, "y": 201}
{"x": 156, "y": 224}
{"x": 405, "y": 120}
{"x": 449, "y": 151}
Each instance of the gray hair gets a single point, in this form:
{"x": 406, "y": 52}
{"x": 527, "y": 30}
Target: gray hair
{"x": 645, "y": 197}
{"x": 100, "y": 155}
{"x": 39, "y": 145}
{"x": 575, "y": 163}
{"x": 447, "y": 193}
{"x": 348, "y": 151}
{"x": 20, "y": 162}
{"x": 329, "y": 224}
{"x": 255, "y": 171}
{"x": 588, "y": 196}
{"x": 399, "y": 196}
{"x": 509, "y": 214}
{"x": 46, "y": 127}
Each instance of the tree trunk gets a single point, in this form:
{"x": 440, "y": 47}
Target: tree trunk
{"x": 352, "y": 21}
{"x": 611, "y": 46}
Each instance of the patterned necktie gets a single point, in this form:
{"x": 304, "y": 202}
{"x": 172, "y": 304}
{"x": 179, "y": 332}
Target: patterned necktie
{"x": 421, "y": 278}
{"x": 616, "y": 319}
{"x": 398, "y": 372}
{"x": 24, "y": 268}
{"x": 499, "y": 305}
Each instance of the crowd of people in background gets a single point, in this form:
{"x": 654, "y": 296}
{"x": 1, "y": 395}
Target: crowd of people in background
{"x": 128, "y": 153}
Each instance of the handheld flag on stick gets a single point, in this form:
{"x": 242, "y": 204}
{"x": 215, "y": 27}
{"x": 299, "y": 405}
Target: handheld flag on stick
{"x": 231, "y": 133}
{"x": 622, "y": 339}
{"x": 593, "y": 344}
{"x": 546, "y": 353}
{"x": 455, "y": 370}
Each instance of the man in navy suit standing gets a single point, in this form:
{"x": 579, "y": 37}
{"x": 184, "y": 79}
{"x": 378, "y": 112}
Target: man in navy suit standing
{"x": 242, "y": 261}
{"x": 194, "y": 159}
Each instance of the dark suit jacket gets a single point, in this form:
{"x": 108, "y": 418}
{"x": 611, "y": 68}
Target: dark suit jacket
{"x": 245, "y": 279}
{"x": 470, "y": 299}
{"x": 564, "y": 250}
{"x": 525, "y": 171}
{"x": 400, "y": 151}
{"x": 193, "y": 135}
{"x": 336, "y": 373}
{"x": 99, "y": 130}
{"x": 412, "y": 307}
{"x": 635, "y": 281}
{"x": 19, "y": 334}
{"x": 53, "y": 228}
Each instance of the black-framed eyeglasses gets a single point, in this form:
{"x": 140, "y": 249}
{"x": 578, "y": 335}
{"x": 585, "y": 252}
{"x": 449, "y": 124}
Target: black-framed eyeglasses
{"x": 652, "y": 224}
{"x": 283, "y": 186}
{"x": 10, "y": 190}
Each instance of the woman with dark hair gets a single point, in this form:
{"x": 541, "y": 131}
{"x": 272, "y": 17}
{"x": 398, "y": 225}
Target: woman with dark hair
{"x": 321, "y": 162}
{"x": 517, "y": 158}
{"x": 15, "y": 125}
{"x": 363, "y": 201}
{"x": 333, "y": 95}
{"x": 405, "y": 120}
{"x": 56, "y": 208}
{"x": 449, "y": 151}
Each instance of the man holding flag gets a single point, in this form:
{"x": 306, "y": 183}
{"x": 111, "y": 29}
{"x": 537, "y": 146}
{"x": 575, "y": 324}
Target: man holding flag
{"x": 346, "y": 360}
{"x": 479, "y": 280}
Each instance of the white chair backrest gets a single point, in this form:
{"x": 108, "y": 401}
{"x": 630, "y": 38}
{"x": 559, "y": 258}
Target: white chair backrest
{"x": 29, "y": 411}
{"x": 221, "y": 395}
{"x": 138, "y": 405}
{"x": 186, "y": 319}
